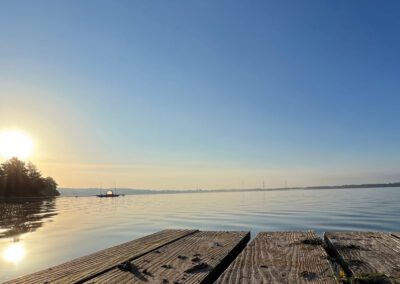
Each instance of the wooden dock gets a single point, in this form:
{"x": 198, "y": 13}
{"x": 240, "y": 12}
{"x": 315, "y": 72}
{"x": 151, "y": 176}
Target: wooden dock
{"x": 281, "y": 257}
{"x": 366, "y": 256}
{"x": 192, "y": 256}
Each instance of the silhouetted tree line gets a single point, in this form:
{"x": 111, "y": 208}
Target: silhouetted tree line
{"x": 20, "y": 179}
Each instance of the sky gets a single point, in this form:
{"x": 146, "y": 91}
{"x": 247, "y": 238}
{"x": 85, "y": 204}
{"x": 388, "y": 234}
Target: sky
{"x": 204, "y": 94}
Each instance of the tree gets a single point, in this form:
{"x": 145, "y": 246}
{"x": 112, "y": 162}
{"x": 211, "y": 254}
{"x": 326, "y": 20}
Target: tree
{"x": 50, "y": 186}
{"x": 18, "y": 179}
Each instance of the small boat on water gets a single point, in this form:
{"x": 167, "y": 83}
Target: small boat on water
{"x": 109, "y": 193}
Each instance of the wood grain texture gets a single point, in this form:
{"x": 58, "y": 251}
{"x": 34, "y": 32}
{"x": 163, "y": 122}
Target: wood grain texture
{"x": 367, "y": 254}
{"x": 197, "y": 258}
{"x": 281, "y": 257}
{"x": 91, "y": 265}
{"x": 396, "y": 234}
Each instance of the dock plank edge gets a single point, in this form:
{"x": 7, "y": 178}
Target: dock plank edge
{"x": 89, "y": 277}
{"x": 225, "y": 262}
{"x": 332, "y": 251}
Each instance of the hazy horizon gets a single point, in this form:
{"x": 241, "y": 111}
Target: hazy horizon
{"x": 203, "y": 94}
{"x": 333, "y": 186}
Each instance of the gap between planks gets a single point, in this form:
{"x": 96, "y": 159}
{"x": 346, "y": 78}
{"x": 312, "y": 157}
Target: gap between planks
{"x": 372, "y": 256}
{"x": 198, "y": 258}
{"x": 281, "y": 257}
{"x": 396, "y": 234}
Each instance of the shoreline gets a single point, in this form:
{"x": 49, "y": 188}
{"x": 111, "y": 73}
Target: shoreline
{"x": 129, "y": 191}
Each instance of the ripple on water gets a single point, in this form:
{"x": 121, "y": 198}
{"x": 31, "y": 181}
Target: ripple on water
{"x": 53, "y": 231}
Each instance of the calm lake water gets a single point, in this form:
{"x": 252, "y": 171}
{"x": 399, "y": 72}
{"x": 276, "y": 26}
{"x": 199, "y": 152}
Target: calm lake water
{"x": 41, "y": 233}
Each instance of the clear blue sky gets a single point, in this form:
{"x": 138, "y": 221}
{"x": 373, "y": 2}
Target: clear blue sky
{"x": 211, "y": 94}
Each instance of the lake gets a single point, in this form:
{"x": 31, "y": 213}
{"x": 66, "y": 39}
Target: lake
{"x": 37, "y": 234}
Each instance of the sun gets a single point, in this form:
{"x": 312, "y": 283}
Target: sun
{"x": 14, "y": 253}
{"x": 15, "y": 144}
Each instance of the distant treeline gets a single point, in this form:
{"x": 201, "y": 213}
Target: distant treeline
{"x": 20, "y": 179}
{"x": 129, "y": 191}
{"x": 367, "y": 185}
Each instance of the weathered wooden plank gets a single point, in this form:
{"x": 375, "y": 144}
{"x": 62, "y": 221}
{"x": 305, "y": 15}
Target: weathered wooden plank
{"x": 197, "y": 258}
{"x": 366, "y": 256}
{"x": 396, "y": 234}
{"x": 91, "y": 265}
{"x": 281, "y": 257}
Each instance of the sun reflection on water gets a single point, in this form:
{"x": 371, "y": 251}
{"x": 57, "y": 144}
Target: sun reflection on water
{"x": 14, "y": 253}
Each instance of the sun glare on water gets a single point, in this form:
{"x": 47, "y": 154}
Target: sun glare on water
{"x": 15, "y": 144}
{"x": 14, "y": 253}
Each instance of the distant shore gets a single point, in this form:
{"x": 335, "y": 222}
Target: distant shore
{"x": 130, "y": 191}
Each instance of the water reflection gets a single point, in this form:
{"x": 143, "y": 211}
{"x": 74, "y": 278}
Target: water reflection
{"x": 87, "y": 224}
{"x": 21, "y": 216}
{"x": 14, "y": 253}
